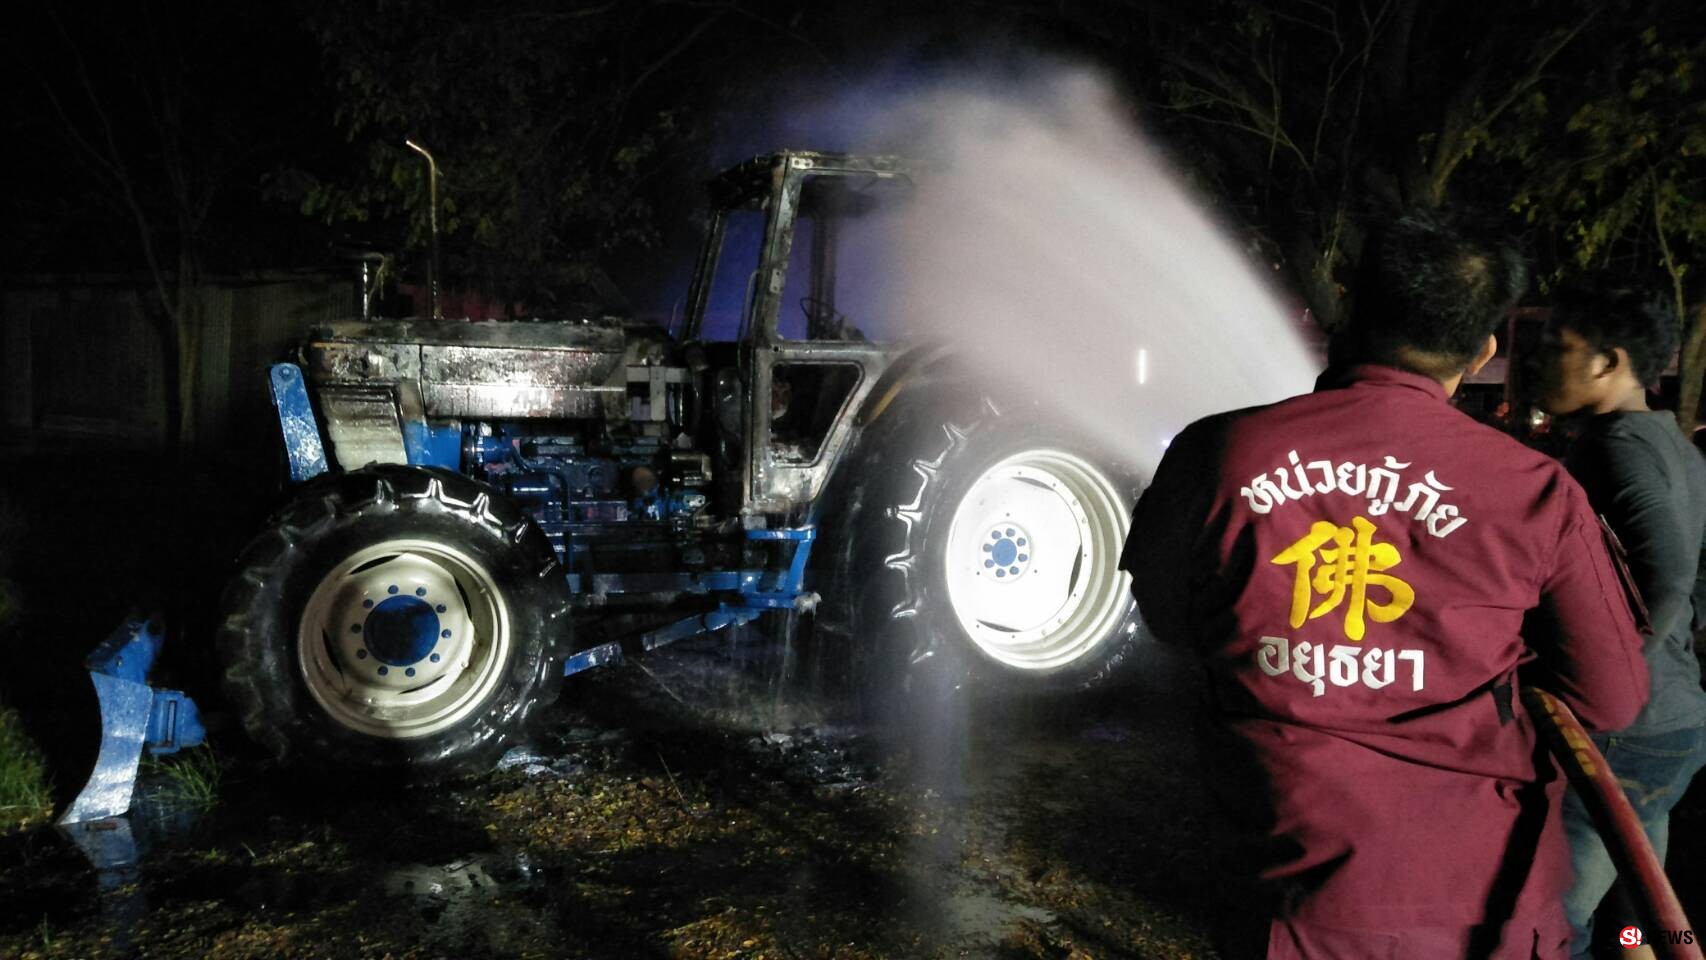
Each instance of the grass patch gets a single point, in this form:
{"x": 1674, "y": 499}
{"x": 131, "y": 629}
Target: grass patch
{"x": 25, "y": 796}
{"x": 189, "y": 777}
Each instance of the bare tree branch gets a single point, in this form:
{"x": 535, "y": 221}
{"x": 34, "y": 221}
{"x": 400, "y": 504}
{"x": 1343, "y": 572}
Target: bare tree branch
{"x": 1461, "y": 125}
{"x": 1236, "y": 99}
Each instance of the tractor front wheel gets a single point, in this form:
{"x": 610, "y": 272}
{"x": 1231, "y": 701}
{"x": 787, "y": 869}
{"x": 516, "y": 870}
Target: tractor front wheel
{"x": 395, "y": 618}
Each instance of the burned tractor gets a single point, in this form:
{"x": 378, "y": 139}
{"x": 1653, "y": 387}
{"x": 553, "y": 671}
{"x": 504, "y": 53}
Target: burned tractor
{"x": 485, "y": 508}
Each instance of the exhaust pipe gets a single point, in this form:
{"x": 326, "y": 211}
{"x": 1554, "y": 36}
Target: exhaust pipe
{"x": 375, "y": 273}
{"x": 433, "y": 309}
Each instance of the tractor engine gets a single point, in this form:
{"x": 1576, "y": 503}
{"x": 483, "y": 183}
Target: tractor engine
{"x": 583, "y": 423}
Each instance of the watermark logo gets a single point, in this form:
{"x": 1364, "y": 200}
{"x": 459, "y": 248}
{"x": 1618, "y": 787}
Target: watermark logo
{"x": 1632, "y": 937}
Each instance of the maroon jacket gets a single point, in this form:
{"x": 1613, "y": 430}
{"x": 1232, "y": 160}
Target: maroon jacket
{"x": 1355, "y": 566}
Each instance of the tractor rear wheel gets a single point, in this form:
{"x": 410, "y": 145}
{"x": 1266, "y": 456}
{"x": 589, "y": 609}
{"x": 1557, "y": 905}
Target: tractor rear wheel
{"x": 395, "y": 618}
{"x": 992, "y": 544}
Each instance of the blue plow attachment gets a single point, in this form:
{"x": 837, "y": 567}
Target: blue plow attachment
{"x": 134, "y": 717}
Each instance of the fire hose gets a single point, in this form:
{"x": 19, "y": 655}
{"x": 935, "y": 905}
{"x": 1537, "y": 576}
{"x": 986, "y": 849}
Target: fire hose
{"x": 1644, "y": 877}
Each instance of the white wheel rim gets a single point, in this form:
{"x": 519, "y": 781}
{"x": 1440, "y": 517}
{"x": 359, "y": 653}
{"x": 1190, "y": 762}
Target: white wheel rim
{"x": 1032, "y": 560}
{"x": 403, "y": 639}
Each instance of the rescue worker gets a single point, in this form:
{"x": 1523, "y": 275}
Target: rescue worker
{"x": 1604, "y": 346}
{"x": 1354, "y": 567}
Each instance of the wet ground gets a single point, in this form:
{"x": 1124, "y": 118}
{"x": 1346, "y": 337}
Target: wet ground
{"x": 705, "y": 805}
{"x": 698, "y": 806}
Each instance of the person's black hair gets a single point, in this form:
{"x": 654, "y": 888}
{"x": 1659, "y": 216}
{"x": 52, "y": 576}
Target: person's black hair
{"x": 1428, "y": 294}
{"x": 1608, "y": 315}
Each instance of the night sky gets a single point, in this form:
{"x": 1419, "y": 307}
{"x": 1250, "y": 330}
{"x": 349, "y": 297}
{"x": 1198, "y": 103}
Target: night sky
{"x": 573, "y": 136}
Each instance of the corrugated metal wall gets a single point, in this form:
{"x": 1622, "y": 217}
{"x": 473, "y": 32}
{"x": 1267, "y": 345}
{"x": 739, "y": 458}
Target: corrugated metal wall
{"x": 81, "y": 361}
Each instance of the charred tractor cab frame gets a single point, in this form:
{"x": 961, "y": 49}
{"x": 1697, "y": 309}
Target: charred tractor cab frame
{"x": 470, "y": 496}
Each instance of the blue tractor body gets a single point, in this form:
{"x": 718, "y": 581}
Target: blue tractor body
{"x": 482, "y": 507}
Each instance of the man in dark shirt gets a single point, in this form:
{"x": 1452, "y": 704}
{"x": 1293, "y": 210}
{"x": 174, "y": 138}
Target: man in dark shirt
{"x": 1354, "y": 567}
{"x": 1604, "y": 346}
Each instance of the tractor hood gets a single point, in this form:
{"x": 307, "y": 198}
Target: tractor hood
{"x": 485, "y": 369}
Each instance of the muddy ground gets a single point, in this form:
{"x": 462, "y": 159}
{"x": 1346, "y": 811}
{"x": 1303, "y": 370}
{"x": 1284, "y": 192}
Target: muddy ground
{"x": 705, "y": 805}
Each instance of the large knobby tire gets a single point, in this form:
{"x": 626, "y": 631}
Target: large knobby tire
{"x": 396, "y": 619}
{"x": 990, "y": 550}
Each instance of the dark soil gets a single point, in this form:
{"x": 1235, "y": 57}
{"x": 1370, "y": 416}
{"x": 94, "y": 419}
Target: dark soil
{"x": 704, "y": 805}
{"x": 691, "y": 808}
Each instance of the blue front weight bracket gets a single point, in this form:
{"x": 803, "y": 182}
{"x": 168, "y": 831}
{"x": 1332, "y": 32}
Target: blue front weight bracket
{"x": 302, "y": 445}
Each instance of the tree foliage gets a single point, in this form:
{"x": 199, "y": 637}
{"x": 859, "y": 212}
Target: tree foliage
{"x": 1313, "y": 119}
{"x": 1615, "y": 168}
{"x": 554, "y": 123}
{"x": 541, "y": 116}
